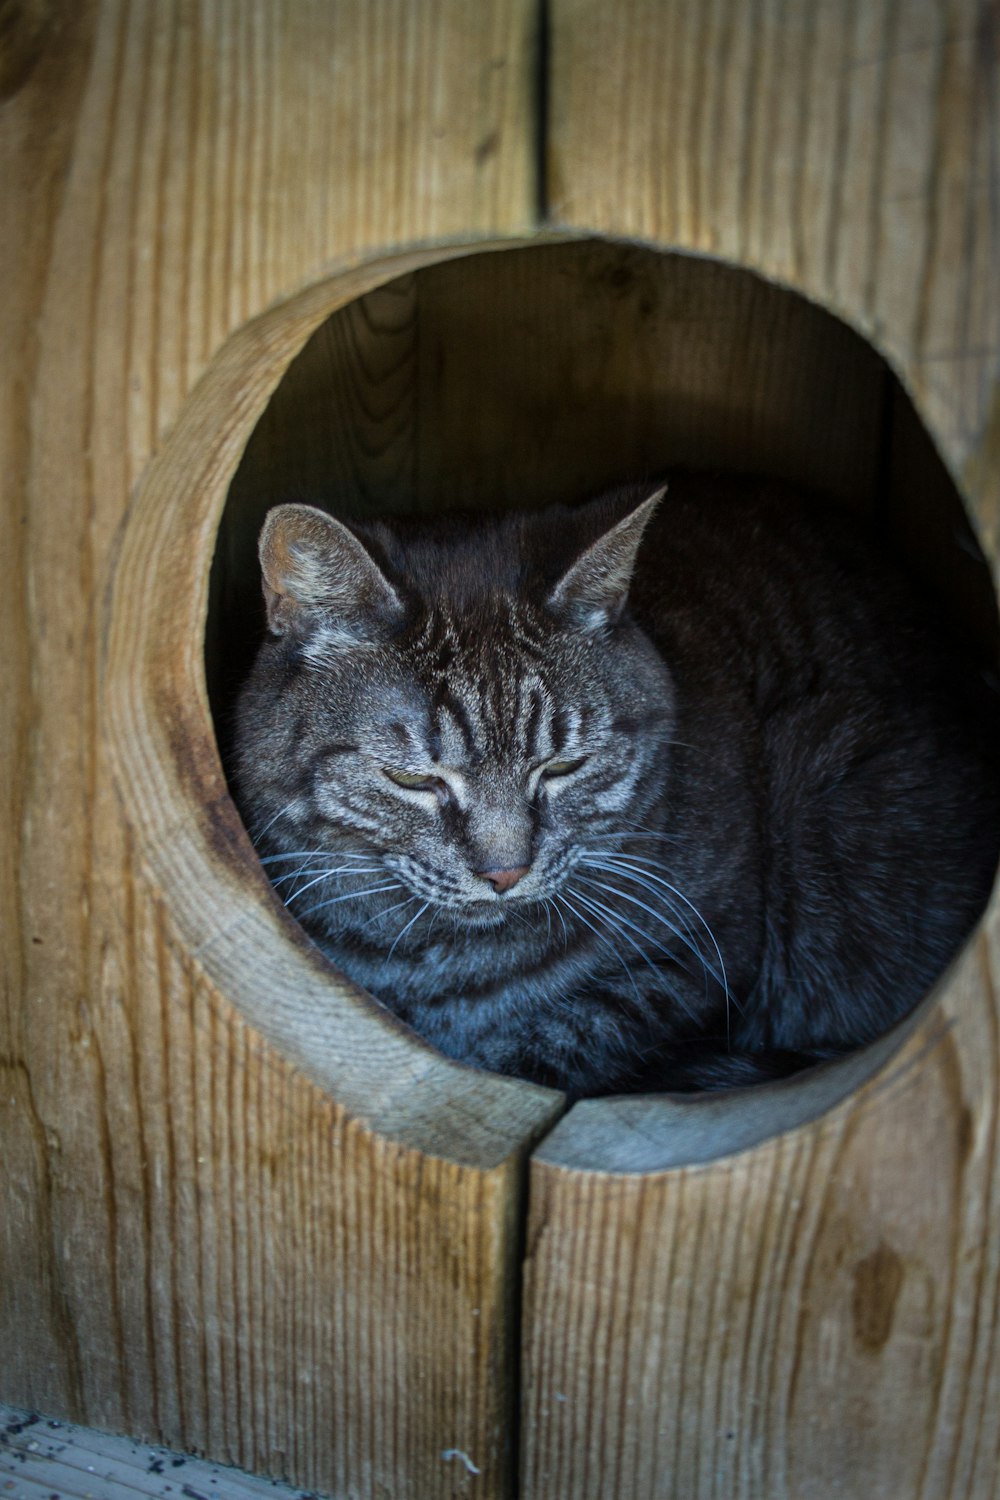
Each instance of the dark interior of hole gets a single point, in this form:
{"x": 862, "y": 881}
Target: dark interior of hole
{"x": 524, "y": 377}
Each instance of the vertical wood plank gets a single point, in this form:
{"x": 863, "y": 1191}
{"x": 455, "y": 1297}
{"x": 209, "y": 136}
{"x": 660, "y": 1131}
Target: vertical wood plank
{"x": 198, "y": 1246}
{"x": 816, "y": 1315}
{"x": 847, "y": 150}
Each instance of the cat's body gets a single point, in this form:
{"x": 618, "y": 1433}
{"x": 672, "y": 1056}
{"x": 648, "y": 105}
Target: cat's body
{"x": 593, "y": 862}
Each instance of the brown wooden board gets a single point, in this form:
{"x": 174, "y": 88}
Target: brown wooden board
{"x": 816, "y": 1314}
{"x": 242, "y": 1212}
{"x": 525, "y": 376}
{"x": 198, "y": 1245}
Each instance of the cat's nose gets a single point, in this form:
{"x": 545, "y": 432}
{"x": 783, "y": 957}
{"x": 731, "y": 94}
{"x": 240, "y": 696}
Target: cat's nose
{"x": 503, "y": 880}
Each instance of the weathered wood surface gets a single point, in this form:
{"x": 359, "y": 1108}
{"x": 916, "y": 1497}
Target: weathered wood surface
{"x": 847, "y": 150}
{"x": 818, "y": 1315}
{"x": 197, "y": 1245}
{"x": 543, "y": 374}
{"x": 41, "y": 1458}
{"x": 303, "y": 1259}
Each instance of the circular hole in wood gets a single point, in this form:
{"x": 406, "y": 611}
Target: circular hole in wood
{"x": 188, "y": 835}
{"x": 547, "y": 374}
{"x": 514, "y": 379}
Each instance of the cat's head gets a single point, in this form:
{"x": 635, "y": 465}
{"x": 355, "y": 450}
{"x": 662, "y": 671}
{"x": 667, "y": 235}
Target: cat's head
{"x": 455, "y": 712}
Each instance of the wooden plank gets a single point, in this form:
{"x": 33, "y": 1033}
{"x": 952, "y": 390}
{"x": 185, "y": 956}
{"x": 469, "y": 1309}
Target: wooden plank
{"x": 813, "y": 1316}
{"x": 41, "y": 1457}
{"x": 708, "y": 1311}
{"x": 198, "y": 1245}
{"x": 46, "y": 1459}
{"x": 846, "y": 150}
{"x": 612, "y": 361}
{"x": 543, "y": 373}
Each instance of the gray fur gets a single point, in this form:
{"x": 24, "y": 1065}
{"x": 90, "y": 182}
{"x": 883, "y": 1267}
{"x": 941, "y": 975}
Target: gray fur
{"x": 783, "y": 822}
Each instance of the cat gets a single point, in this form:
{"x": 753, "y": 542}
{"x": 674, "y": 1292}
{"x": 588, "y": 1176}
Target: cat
{"x": 660, "y": 792}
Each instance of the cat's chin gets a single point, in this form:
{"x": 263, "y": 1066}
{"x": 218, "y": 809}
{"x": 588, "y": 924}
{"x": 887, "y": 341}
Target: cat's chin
{"x": 479, "y": 920}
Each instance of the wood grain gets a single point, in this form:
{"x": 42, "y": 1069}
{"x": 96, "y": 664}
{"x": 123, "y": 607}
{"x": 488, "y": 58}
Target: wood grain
{"x": 296, "y": 1246}
{"x": 529, "y": 375}
{"x": 846, "y": 150}
{"x": 41, "y": 1457}
{"x": 197, "y": 1244}
{"x": 811, "y": 1317}
{"x": 816, "y": 1314}
{"x": 603, "y": 359}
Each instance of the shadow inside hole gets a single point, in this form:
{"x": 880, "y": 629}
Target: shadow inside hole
{"x": 519, "y": 378}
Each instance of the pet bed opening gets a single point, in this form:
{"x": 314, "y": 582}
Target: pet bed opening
{"x": 550, "y": 373}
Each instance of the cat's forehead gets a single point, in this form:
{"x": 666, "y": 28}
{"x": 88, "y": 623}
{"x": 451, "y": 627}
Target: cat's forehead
{"x": 469, "y": 697}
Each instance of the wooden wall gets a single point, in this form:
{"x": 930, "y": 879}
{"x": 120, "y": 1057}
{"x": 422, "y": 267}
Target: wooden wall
{"x": 546, "y": 373}
{"x": 242, "y": 1213}
{"x": 196, "y": 1242}
{"x": 819, "y": 1315}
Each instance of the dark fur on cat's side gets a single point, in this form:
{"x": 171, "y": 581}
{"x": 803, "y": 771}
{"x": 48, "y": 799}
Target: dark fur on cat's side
{"x": 560, "y": 851}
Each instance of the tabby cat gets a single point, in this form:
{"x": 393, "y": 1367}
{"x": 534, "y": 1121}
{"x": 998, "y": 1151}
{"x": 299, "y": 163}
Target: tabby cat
{"x": 610, "y": 816}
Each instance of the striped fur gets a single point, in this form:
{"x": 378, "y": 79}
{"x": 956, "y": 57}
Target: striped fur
{"x": 751, "y": 845}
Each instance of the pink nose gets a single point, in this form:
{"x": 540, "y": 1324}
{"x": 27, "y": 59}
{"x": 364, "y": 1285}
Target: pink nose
{"x": 503, "y": 880}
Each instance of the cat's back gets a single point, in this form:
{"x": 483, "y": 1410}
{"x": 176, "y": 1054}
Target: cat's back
{"x": 755, "y": 582}
{"x": 804, "y": 660}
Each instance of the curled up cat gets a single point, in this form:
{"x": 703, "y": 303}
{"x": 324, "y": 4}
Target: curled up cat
{"x": 659, "y": 792}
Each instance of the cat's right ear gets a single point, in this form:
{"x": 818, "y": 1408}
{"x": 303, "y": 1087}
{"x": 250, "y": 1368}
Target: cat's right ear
{"x": 592, "y": 593}
{"x": 321, "y": 582}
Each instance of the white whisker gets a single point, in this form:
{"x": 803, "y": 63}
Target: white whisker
{"x": 373, "y": 890}
{"x": 377, "y": 916}
{"x": 270, "y": 859}
{"x": 621, "y": 917}
{"x": 603, "y": 940}
{"x": 403, "y": 931}
{"x": 254, "y": 837}
{"x": 325, "y": 875}
{"x": 322, "y": 874}
{"x": 614, "y": 890}
{"x": 625, "y": 865}
{"x": 613, "y": 919}
{"x": 562, "y": 919}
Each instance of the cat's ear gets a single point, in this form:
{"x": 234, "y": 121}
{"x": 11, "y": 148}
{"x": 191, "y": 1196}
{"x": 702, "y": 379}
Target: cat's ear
{"x": 591, "y": 594}
{"x": 320, "y": 580}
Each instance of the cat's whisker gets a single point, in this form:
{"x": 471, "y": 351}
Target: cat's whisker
{"x": 326, "y": 875}
{"x": 624, "y": 865}
{"x": 561, "y": 897}
{"x": 613, "y": 920}
{"x": 674, "y": 921}
{"x": 635, "y": 829}
{"x": 624, "y": 837}
{"x": 320, "y": 875}
{"x": 270, "y": 859}
{"x": 373, "y": 890}
{"x": 379, "y": 915}
{"x": 622, "y": 918}
{"x": 682, "y": 937}
{"x": 256, "y": 836}
{"x": 403, "y": 931}
{"x": 519, "y": 916}
{"x": 550, "y": 901}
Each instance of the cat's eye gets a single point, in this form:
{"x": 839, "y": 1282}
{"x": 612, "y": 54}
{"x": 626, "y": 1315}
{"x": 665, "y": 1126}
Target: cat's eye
{"x": 562, "y": 767}
{"x": 415, "y": 781}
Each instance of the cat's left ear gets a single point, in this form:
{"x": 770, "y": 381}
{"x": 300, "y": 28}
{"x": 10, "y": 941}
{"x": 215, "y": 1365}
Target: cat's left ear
{"x": 321, "y": 582}
{"x": 591, "y": 594}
